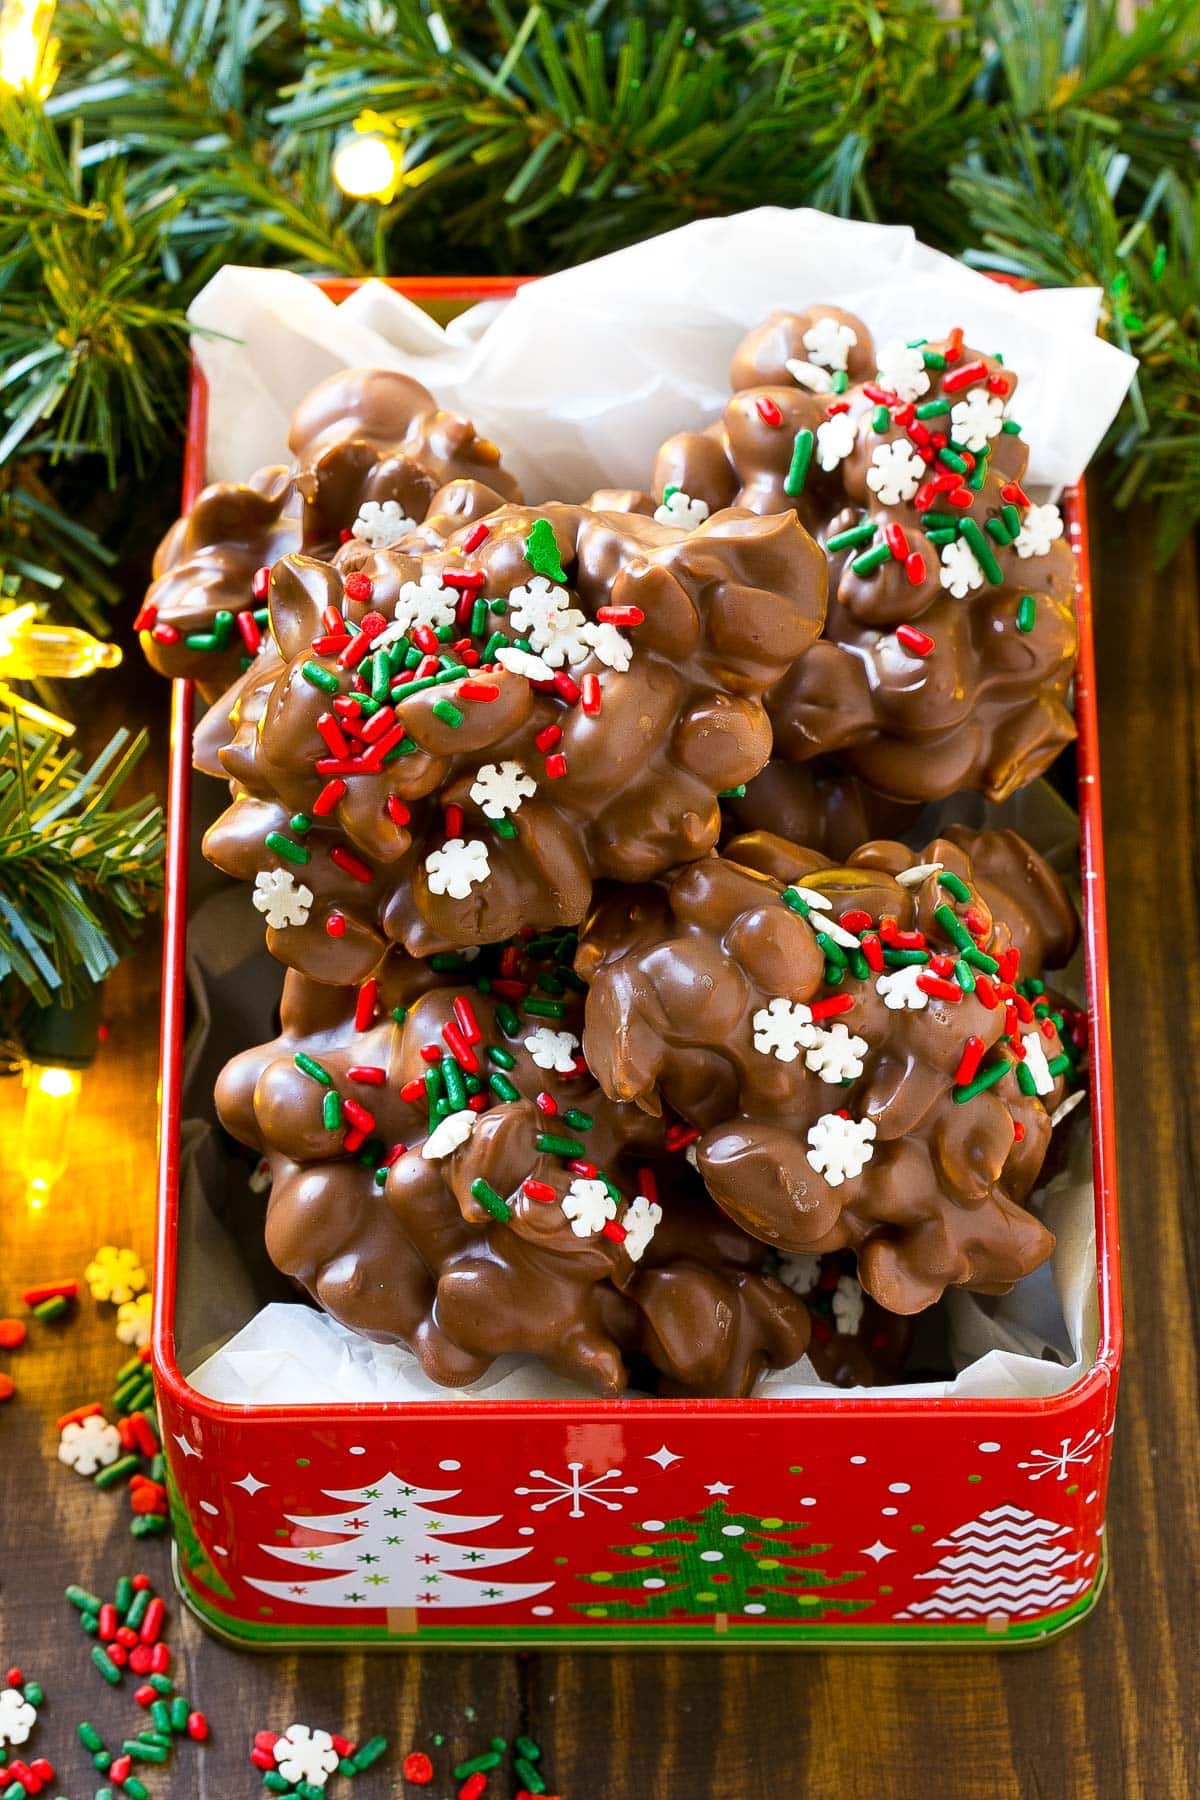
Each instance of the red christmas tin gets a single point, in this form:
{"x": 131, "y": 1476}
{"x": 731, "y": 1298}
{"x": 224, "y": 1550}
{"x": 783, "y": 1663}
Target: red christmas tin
{"x": 825, "y": 1519}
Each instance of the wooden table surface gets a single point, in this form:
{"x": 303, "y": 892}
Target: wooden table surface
{"x": 1107, "y": 1710}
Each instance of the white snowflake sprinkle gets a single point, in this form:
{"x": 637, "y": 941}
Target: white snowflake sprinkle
{"x": 799, "y": 1272}
{"x": 976, "y": 419}
{"x": 1039, "y": 529}
{"x": 900, "y": 991}
{"x": 912, "y": 878}
{"x": 543, "y": 613}
{"x": 783, "y": 1028}
{"x": 829, "y": 342}
{"x": 281, "y": 899}
{"x": 960, "y": 571}
{"x": 521, "y": 662}
{"x": 836, "y": 439}
{"x": 640, "y": 1222}
{"x": 809, "y": 375}
{"x": 840, "y": 1148}
{"x": 1036, "y": 1063}
{"x": 424, "y": 602}
{"x": 613, "y": 650}
{"x": 381, "y": 523}
{"x": 848, "y": 1305}
{"x": 902, "y": 371}
{"x": 457, "y": 867}
{"x": 134, "y": 1320}
{"x": 115, "y": 1275}
{"x": 448, "y": 1134}
{"x": 836, "y": 1056}
{"x": 17, "y": 1716}
{"x": 681, "y": 510}
{"x": 896, "y": 471}
{"x": 552, "y": 1049}
{"x": 306, "y": 1755}
{"x": 1066, "y": 1107}
{"x": 89, "y": 1444}
{"x": 589, "y": 1206}
{"x": 499, "y": 788}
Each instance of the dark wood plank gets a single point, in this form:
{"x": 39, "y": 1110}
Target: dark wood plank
{"x": 1105, "y": 1713}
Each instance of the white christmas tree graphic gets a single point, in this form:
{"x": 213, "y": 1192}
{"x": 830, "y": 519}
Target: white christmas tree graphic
{"x": 1006, "y": 1564}
{"x": 391, "y": 1546}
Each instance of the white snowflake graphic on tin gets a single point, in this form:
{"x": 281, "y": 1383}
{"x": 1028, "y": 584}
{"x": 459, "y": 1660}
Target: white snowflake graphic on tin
{"x": 576, "y": 1490}
{"x": 1058, "y": 1462}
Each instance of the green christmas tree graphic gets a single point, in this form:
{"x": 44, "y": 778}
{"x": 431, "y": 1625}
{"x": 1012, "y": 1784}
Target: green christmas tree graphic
{"x": 197, "y": 1564}
{"x": 726, "y": 1563}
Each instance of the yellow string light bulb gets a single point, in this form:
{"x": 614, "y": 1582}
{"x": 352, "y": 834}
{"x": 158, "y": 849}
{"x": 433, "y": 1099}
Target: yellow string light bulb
{"x": 28, "y": 54}
{"x": 51, "y": 1094}
{"x": 31, "y": 650}
{"x": 366, "y": 166}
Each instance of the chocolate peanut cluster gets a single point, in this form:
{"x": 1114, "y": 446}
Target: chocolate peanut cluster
{"x": 865, "y": 1050}
{"x": 374, "y": 459}
{"x": 440, "y": 748}
{"x": 447, "y": 1175}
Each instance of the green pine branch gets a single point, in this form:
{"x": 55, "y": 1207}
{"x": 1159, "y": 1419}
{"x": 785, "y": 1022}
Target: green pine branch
{"x": 78, "y": 870}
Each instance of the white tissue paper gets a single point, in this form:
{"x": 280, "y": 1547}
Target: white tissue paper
{"x": 581, "y": 376}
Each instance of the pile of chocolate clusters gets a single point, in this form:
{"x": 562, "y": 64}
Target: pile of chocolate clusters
{"x": 619, "y": 1028}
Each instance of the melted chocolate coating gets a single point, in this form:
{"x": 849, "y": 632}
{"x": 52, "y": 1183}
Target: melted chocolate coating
{"x": 983, "y": 705}
{"x": 362, "y": 436}
{"x": 622, "y": 785}
{"x": 694, "y": 983}
{"x": 452, "y": 1255}
{"x": 817, "y": 804}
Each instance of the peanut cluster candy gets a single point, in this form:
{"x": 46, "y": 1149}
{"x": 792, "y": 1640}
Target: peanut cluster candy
{"x": 374, "y": 458}
{"x": 854, "y": 1342}
{"x": 817, "y": 804}
{"x": 442, "y": 748}
{"x": 950, "y": 640}
{"x": 865, "y": 1050}
{"x": 446, "y": 1174}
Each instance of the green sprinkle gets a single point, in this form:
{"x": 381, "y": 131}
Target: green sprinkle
{"x": 525, "y": 1746}
{"x": 300, "y": 823}
{"x": 136, "y": 1789}
{"x": 952, "y": 460}
{"x": 859, "y": 966}
{"x": 491, "y": 1201}
{"x": 932, "y": 409}
{"x": 121, "y": 1470}
{"x": 853, "y": 538}
{"x": 998, "y": 531}
{"x": 448, "y": 962}
{"x": 499, "y": 607}
{"x": 1025, "y": 1080}
{"x": 107, "y": 1668}
{"x": 456, "y": 1091}
{"x": 321, "y": 678}
{"x": 407, "y": 689}
{"x": 834, "y": 976}
{"x": 983, "y": 551}
{"x": 881, "y": 419}
{"x": 833, "y": 952}
{"x": 501, "y": 1085}
{"x": 283, "y": 846}
{"x": 137, "y": 1611}
{"x": 905, "y": 959}
{"x": 952, "y": 925}
{"x": 940, "y": 537}
{"x": 331, "y": 1110}
{"x": 964, "y": 977}
{"x": 308, "y": 1065}
{"x": 976, "y": 481}
{"x": 985, "y": 1079}
{"x": 504, "y": 1059}
{"x": 478, "y": 1765}
{"x": 54, "y": 1308}
{"x": 841, "y": 381}
{"x": 1027, "y": 613}
{"x": 275, "y": 1783}
{"x": 559, "y": 1146}
{"x": 503, "y": 828}
{"x": 578, "y": 1121}
{"x": 448, "y": 713}
{"x": 89, "y": 1736}
{"x": 733, "y": 793}
{"x": 979, "y": 959}
{"x": 1059, "y": 1065}
{"x": 1010, "y": 428}
{"x": 933, "y": 359}
{"x": 669, "y": 491}
{"x": 954, "y": 885}
{"x": 479, "y": 617}
{"x": 795, "y": 902}
{"x": 160, "y": 1712}
{"x": 497, "y": 641}
{"x": 1159, "y": 264}
{"x": 935, "y": 521}
{"x": 144, "y": 1752}
{"x": 528, "y": 1776}
{"x": 870, "y": 560}
{"x": 123, "y": 1596}
{"x": 541, "y": 549}
{"x": 370, "y": 1752}
{"x": 545, "y": 1009}
{"x": 1011, "y": 517}
{"x": 797, "y": 474}
{"x": 433, "y": 1085}
{"x": 507, "y": 1019}
{"x": 399, "y": 1014}
{"x": 148, "y": 1525}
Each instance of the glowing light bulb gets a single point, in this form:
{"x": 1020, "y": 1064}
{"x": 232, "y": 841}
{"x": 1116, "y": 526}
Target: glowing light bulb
{"x": 28, "y": 54}
{"x": 51, "y": 1094}
{"x": 29, "y": 648}
{"x": 366, "y": 167}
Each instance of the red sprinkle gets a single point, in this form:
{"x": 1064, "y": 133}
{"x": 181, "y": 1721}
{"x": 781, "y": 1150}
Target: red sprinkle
{"x": 412, "y": 1091}
{"x": 591, "y": 695}
{"x": 468, "y": 1024}
{"x": 483, "y": 691}
{"x": 146, "y": 1696}
{"x": 353, "y": 1140}
{"x": 260, "y": 585}
{"x": 147, "y": 618}
{"x": 540, "y": 1191}
{"x": 680, "y": 1136}
{"x": 365, "y": 1003}
{"x": 567, "y": 689}
{"x": 918, "y": 642}
{"x": 828, "y": 1009}
{"x": 397, "y": 811}
{"x": 915, "y": 568}
{"x": 367, "y": 1074}
{"x": 333, "y": 734}
{"x": 328, "y": 797}
{"x": 894, "y": 538}
{"x": 8, "y": 1388}
{"x": 197, "y": 1727}
{"x": 872, "y": 949}
{"x": 965, "y": 376}
{"x": 416, "y": 1766}
{"x": 12, "y": 1333}
{"x": 587, "y": 1169}
{"x": 546, "y": 1103}
{"x": 855, "y": 920}
{"x": 475, "y": 537}
{"x": 459, "y": 1048}
{"x": 107, "y": 1622}
{"x": 999, "y": 383}
{"x": 548, "y": 737}
{"x": 359, "y": 1116}
{"x": 961, "y": 498}
{"x": 453, "y": 816}
{"x": 968, "y": 1065}
{"x": 985, "y": 993}
{"x": 1010, "y": 962}
{"x": 262, "y": 1758}
{"x": 628, "y": 616}
{"x": 925, "y": 496}
{"x": 430, "y": 1053}
{"x": 952, "y": 349}
{"x": 358, "y": 586}
{"x": 165, "y": 634}
{"x": 50, "y": 1290}
{"x": 350, "y": 864}
{"x": 768, "y": 412}
{"x": 610, "y": 1229}
{"x": 473, "y": 1786}
{"x": 556, "y": 766}
{"x": 465, "y": 580}
{"x": 335, "y": 925}
{"x": 122, "y": 1767}
{"x": 938, "y": 988}
{"x": 1018, "y": 1132}
{"x": 1013, "y": 494}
